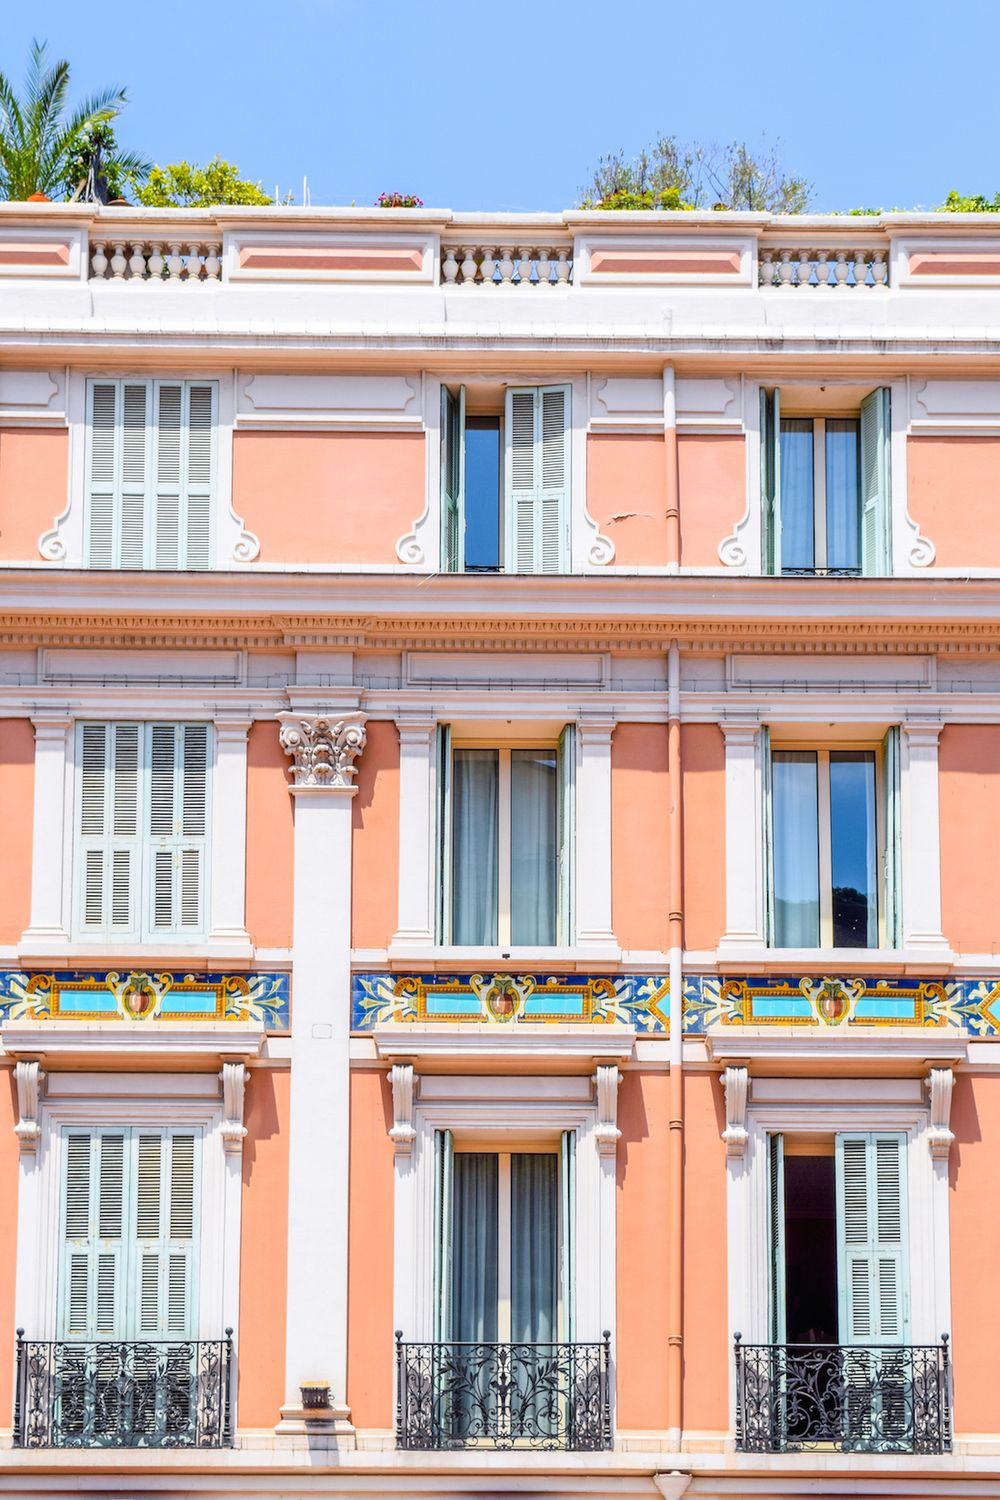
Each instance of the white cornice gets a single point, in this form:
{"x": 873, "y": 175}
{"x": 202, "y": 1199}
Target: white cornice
{"x": 147, "y": 1042}
{"x": 553, "y": 1044}
{"x": 834, "y": 1046}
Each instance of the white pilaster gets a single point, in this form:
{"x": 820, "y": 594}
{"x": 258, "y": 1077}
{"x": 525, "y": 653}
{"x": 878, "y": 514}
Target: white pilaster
{"x": 920, "y": 836}
{"x": 415, "y": 916}
{"x": 324, "y": 748}
{"x": 49, "y": 917}
{"x": 593, "y": 831}
{"x": 744, "y": 836}
{"x": 229, "y": 836}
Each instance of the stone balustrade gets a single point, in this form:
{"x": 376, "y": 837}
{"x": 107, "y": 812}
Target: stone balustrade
{"x": 133, "y": 259}
{"x": 812, "y": 267}
{"x": 507, "y": 265}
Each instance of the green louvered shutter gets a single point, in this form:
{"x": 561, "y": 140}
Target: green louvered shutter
{"x": 443, "y": 839}
{"x": 107, "y": 846}
{"x": 871, "y": 1223}
{"x": 184, "y": 422}
{"x": 770, "y": 480}
{"x": 453, "y": 479}
{"x": 118, "y": 472}
{"x": 767, "y": 828}
{"x": 776, "y": 1234}
{"x": 537, "y": 467}
{"x": 875, "y": 507}
{"x": 566, "y": 936}
{"x": 444, "y": 1176}
{"x": 166, "y": 1198}
{"x": 177, "y": 829}
{"x": 93, "y": 1300}
{"x": 567, "y": 1232}
{"x": 893, "y": 868}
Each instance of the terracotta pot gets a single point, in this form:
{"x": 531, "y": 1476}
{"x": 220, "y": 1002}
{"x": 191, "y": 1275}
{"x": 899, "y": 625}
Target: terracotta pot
{"x": 39, "y": 198}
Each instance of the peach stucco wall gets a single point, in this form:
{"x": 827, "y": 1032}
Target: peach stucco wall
{"x": 17, "y": 782}
{"x": 704, "y": 785}
{"x": 953, "y": 494}
{"x": 8, "y": 1233}
{"x": 641, "y": 1363}
{"x": 626, "y": 494}
{"x": 328, "y": 497}
{"x": 712, "y": 483}
{"x": 640, "y": 804}
{"x": 969, "y": 762}
{"x": 375, "y": 882}
{"x": 33, "y": 487}
{"x": 264, "y": 1248}
{"x": 975, "y": 1250}
{"x": 706, "y": 1308}
{"x": 370, "y": 1251}
{"x": 270, "y": 839}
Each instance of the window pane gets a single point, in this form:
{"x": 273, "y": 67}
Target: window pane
{"x": 852, "y": 848}
{"x": 796, "y": 848}
{"x": 534, "y": 847}
{"x": 798, "y": 547}
{"x": 474, "y": 843}
{"x": 482, "y": 494}
{"x": 843, "y": 509}
{"x": 474, "y": 1247}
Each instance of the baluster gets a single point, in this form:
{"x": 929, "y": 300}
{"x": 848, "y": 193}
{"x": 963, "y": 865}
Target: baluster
{"x": 767, "y": 270}
{"x": 194, "y": 263}
{"x": 175, "y": 261}
{"x": 880, "y": 269}
{"x": 99, "y": 261}
{"x": 155, "y": 262}
{"x": 841, "y": 270}
{"x": 506, "y": 265}
{"x": 544, "y": 267}
{"x": 861, "y": 268}
{"x": 822, "y": 268}
{"x": 119, "y": 262}
{"x": 786, "y": 270}
{"x": 137, "y": 261}
{"x": 449, "y": 267}
{"x": 563, "y": 267}
{"x": 213, "y": 265}
{"x": 524, "y": 260}
{"x": 803, "y": 267}
{"x": 469, "y": 266}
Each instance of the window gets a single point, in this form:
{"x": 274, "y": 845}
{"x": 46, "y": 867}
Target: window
{"x": 505, "y": 482}
{"x": 832, "y": 846}
{"x": 142, "y": 830}
{"x": 505, "y": 843}
{"x": 129, "y": 1212}
{"x": 150, "y": 463}
{"x": 825, "y": 490}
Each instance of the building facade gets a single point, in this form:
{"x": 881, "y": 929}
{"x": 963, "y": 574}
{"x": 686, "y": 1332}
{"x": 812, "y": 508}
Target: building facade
{"x": 499, "y": 908}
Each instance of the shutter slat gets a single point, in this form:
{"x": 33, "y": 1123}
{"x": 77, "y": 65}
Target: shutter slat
{"x": 163, "y": 888}
{"x": 871, "y": 1214}
{"x": 162, "y": 780}
{"x": 126, "y": 780}
{"x": 103, "y": 477}
{"x": 112, "y": 1186}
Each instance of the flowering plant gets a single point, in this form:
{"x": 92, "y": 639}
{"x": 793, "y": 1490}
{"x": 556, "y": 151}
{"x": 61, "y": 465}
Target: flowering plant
{"x": 398, "y": 200}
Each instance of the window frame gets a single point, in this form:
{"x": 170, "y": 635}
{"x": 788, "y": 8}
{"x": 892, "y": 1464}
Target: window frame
{"x": 821, "y": 567}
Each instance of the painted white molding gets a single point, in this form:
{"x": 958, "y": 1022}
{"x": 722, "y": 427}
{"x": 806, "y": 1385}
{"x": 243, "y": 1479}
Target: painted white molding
{"x": 735, "y": 1084}
{"x": 143, "y": 1041}
{"x": 635, "y": 404}
{"x": 29, "y": 1080}
{"x": 415, "y": 916}
{"x": 744, "y": 837}
{"x": 234, "y": 541}
{"x": 940, "y": 1085}
{"x": 234, "y": 1080}
{"x": 589, "y": 546}
{"x": 486, "y": 1041}
{"x": 830, "y": 1045}
{"x": 355, "y": 402}
{"x": 32, "y": 398}
{"x": 910, "y": 548}
{"x": 593, "y": 830}
{"x": 323, "y": 748}
{"x": 228, "y": 848}
{"x": 852, "y": 678}
{"x": 421, "y": 546}
{"x": 402, "y": 1132}
{"x": 49, "y": 917}
{"x": 606, "y": 1133}
{"x": 954, "y": 407}
{"x": 742, "y": 547}
{"x": 920, "y": 836}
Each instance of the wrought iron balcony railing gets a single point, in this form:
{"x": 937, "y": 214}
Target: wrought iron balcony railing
{"x": 867, "y": 1398}
{"x": 464, "y": 1395}
{"x": 123, "y": 1394}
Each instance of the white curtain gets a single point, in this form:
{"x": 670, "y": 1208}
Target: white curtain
{"x": 534, "y": 847}
{"x": 795, "y": 831}
{"x": 798, "y": 546}
{"x": 474, "y": 842}
{"x": 843, "y": 511}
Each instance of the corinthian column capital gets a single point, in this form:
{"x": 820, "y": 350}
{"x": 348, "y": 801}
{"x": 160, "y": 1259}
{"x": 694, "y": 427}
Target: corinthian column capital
{"x": 323, "y": 748}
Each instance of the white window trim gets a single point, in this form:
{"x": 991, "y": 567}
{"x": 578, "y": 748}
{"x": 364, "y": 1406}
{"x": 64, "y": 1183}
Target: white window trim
{"x": 89, "y": 1100}
{"x": 232, "y": 543}
{"x": 835, "y": 1105}
{"x": 526, "y": 1106}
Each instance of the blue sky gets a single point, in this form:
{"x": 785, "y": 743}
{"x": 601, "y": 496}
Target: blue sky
{"x": 508, "y": 105}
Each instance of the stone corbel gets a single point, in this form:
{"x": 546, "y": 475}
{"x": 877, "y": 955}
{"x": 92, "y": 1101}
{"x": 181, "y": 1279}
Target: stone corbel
{"x": 29, "y": 1079}
{"x": 606, "y": 1081}
{"x": 736, "y": 1084}
{"x": 323, "y": 748}
{"x": 234, "y": 1077}
{"x": 403, "y": 1083}
{"x": 940, "y": 1085}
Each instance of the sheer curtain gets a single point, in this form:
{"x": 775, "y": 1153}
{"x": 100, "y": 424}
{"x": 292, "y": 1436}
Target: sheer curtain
{"x": 474, "y": 1248}
{"x": 798, "y": 545}
{"x": 474, "y": 835}
{"x": 534, "y": 847}
{"x": 534, "y": 1233}
{"x": 795, "y": 834}
{"x": 843, "y": 510}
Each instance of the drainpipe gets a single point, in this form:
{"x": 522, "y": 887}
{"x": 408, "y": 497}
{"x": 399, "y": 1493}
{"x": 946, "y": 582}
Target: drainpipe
{"x": 671, "y": 479}
{"x": 675, "y": 1144}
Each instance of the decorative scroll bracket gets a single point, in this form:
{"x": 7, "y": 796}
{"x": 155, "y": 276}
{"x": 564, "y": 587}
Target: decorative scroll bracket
{"x": 323, "y": 748}
{"x": 940, "y": 1086}
{"x": 606, "y": 1081}
{"x": 29, "y": 1079}
{"x": 736, "y": 1085}
{"x": 402, "y": 1133}
{"x": 234, "y": 1078}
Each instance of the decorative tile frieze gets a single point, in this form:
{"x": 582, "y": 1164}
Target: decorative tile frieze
{"x": 118, "y": 995}
{"x": 629, "y": 1000}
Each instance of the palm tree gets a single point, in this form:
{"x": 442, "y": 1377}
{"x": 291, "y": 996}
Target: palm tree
{"x": 37, "y": 136}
